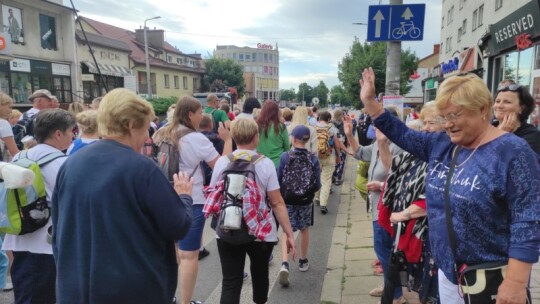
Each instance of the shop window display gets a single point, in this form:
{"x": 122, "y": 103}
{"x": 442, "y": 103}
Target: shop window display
{"x": 21, "y": 87}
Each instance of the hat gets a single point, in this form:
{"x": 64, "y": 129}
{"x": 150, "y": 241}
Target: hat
{"x": 301, "y": 132}
{"x": 41, "y": 93}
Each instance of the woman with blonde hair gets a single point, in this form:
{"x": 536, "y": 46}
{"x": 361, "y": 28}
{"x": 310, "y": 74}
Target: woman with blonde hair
{"x": 7, "y": 141}
{"x": 300, "y": 117}
{"x": 485, "y": 212}
{"x": 107, "y": 196}
{"x": 88, "y": 127}
{"x": 75, "y": 107}
{"x": 14, "y": 117}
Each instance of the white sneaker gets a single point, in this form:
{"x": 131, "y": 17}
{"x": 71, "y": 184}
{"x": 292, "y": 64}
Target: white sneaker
{"x": 284, "y": 275}
{"x": 8, "y": 287}
{"x": 304, "y": 265}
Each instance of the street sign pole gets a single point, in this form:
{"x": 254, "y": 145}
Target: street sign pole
{"x": 393, "y": 62}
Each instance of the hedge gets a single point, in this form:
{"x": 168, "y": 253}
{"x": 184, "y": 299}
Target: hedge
{"x": 162, "y": 104}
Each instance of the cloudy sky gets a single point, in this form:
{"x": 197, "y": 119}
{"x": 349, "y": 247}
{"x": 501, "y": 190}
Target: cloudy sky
{"x": 312, "y": 35}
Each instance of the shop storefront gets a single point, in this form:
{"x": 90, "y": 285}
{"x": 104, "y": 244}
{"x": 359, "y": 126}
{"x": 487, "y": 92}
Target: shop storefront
{"x": 20, "y": 77}
{"x": 113, "y": 77}
{"x": 514, "y": 50}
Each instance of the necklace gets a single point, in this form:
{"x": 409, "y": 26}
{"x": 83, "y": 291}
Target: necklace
{"x": 474, "y": 151}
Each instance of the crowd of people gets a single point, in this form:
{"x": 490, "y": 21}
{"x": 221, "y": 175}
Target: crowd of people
{"x": 454, "y": 186}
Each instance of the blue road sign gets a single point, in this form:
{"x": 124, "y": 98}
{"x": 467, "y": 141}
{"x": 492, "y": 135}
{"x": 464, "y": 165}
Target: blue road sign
{"x": 396, "y": 22}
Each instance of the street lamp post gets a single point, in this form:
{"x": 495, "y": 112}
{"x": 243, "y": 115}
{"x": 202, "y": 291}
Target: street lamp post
{"x": 148, "y": 82}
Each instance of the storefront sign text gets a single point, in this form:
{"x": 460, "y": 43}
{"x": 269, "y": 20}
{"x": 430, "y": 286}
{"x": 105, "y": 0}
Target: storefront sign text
{"x": 451, "y": 66}
{"x": 61, "y": 69}
{"x": 523, "y": 41}
{"x": 265, "y": 46}
{"x": 514, "y": 28}
{"x": 20, "y": 65}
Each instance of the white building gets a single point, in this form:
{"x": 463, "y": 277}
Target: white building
{"x": 261, "y": 68}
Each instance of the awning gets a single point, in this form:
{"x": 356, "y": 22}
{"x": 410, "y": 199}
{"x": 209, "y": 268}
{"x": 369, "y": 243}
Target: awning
{"x": 107, "y": 69}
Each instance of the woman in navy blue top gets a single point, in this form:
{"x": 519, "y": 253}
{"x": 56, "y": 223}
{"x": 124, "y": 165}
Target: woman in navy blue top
{"x": 494, "y": 192}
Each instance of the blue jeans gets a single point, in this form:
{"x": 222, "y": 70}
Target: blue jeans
{"x": 4, "y": 263}
{"x": 34, "y": 278}
{"x": 383, "y": 249}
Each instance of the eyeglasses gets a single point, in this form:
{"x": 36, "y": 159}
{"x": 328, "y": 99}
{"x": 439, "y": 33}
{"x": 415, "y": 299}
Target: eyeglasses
{"x": 511, "y": 88}
{"x": 452, "y": 117}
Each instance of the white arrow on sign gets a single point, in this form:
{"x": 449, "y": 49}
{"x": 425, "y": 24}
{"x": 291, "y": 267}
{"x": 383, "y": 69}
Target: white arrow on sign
{"x": 407, "y": 14}
{"x": 378, "y": 20}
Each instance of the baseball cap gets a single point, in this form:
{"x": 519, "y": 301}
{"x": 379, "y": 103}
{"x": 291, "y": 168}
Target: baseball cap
{"x": 40, "y": 93}
{"x": 301, "y": 132}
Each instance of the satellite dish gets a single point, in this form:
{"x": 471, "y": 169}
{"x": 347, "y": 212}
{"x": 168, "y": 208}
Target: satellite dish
{"x": 315, "y": 100}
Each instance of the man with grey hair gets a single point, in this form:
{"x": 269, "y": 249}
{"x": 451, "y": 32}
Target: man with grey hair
{"x": 41, "y": 99}
{"x": 218, "y": 115}
{"x": 33, "y": 272}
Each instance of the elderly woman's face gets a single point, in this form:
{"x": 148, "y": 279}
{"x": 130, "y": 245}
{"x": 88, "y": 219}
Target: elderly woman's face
{"x": 462, "y": 126}
{"x": 432, "y": 122}
{"x": 139, "y": 136}
{"x": 506, "y": 103}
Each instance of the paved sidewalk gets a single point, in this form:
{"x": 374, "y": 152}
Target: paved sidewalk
{"x": 349, "y": 275}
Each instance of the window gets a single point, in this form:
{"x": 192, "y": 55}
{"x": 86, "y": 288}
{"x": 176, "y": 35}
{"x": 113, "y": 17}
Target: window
{"x": 459, "y": 33}
{"x": 442, "y": 24}
{"x": 265, "y": 57}
{"x": 184, "y": 80}
{"x": 248, "y": 58}
{"x": 166, "y": 80}
{"x": 176, "y": 82}
{"x": 474, "y": 19}
{"x": 47, "y": 32}
{"x": 169, "y": 58}
{"x": 480, "y": 15}
{"x": 450, "y": 15}
{"x": 196, "y": 84}
{"x": 461, "y": 4}
{"x": 179, "y": 60}
{"x": 448, "y": 44}
{"x": 464, "y": 27}
{"x": 498, "y": 4}
{"x": 234, "y": 56}
{"x": 241, "y": 57}
{"x": 254, "y": 57}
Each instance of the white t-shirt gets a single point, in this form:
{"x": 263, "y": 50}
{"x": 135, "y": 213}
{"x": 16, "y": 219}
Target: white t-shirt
{"x": 194, "y": 148}
{"x": 5, "y": 131}
{"x": 266, "y": 176}
{"x": 244, "y": 115}
{"x": 36, "y": 242}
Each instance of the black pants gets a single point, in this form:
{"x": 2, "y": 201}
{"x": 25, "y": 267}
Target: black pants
{"x": 233, "y": 258}
{"x": 34, "y": 278}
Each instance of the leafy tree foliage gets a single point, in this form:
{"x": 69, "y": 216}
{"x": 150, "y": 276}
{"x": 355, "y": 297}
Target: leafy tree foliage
{"x": 321, "y": 92}
{"x": 305, "y": 93}
{"x": 361, "y": 56}
{"x": 338, "y": 95}
{"x": 287, "y": 94}
{"x": 227, "y": 71}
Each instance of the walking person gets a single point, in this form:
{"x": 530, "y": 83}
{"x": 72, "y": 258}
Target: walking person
{"x": 485, "y": 212}
{"x": 115, "y": 216}
{"x": 299, "y": 177}
{"x": 337, "y": 177}
{"x": 194, "y": 148}
{"x": 265, "y": 205}
{"x": 300, "y": 117}
{"x": 273, "y": 136}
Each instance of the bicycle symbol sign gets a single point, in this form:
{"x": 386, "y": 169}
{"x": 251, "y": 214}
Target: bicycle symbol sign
{"x": 396, "y": 22}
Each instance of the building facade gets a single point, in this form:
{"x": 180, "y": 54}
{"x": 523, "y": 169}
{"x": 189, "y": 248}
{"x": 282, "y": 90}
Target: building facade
{"x": 261, "y": 68}
{"x": 120, "y": 54}
{"x": 42, "y": 50}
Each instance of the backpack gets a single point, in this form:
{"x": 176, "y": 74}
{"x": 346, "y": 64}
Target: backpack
{"x": 167, "y": 158}
{"x": 25, "y": 210}
{"x": 298, "y": 182}
{"x": 234, "y": 187}
{"x": 22, "y": 128}
{"x": 324, "y": 142}
{"x": 214, "y": 121}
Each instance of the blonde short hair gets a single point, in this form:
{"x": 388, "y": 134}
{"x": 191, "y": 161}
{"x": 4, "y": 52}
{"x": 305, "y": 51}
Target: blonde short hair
{"x": 15, "y": 114}
{"x": 5, "y": 99}
{"x": 119, "y": 108}
{"x": 428, "y": 109}
{"x": 206, "y": 122}
{"x": 87, "y": 121}
{"x": 468, "y": 91}
{"x": 338, "y": 115}
{"x": 243, "y": 130}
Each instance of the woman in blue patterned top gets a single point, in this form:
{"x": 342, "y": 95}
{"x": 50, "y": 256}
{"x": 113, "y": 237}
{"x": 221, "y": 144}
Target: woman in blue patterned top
{"x": 494, "y": 193}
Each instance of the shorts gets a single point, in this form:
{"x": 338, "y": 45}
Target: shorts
{"x": 301, "y": 216}
{"x": 192, "y": 240}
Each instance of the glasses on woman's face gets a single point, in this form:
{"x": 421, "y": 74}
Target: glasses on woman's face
{"x": 452, "y": 117}
{"x": 511, "y": 88}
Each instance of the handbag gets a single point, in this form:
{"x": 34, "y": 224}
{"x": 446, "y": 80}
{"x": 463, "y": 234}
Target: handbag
{"x": 478, "y": 283}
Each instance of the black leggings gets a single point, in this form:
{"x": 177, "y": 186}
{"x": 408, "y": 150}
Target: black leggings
{"x": 233, "y": 258}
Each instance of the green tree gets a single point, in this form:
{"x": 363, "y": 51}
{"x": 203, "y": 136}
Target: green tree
{"x": 305, "y": 93}
{"x": 338, "y": 95}
{"x": 361, "y": 56}
{"x": 227, "y": 71}
{"x": 288, "y": 95}
{"x": 321, "y": 92}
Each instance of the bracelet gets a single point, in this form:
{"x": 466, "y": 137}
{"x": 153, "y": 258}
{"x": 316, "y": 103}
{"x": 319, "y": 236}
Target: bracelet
{"x": 407, "y": 212}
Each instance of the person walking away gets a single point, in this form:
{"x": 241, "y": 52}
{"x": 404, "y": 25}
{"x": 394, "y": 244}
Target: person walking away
{"x": 268, "y": 206}
{"x": 273, "y": 137}
{"x": 33, "y": 272}
{"x": 218, "y": 115}
{"x": 337, "y": 177}
{"x": 300, "y": 117}
{"x": 327, "y": 149}
{"x": 299, "y": 177}
{"x": 88, "y": 126}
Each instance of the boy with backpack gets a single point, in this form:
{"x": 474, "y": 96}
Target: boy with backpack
{"x": 299, "y": 179}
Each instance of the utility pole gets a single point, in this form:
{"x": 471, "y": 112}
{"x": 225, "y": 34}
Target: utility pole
{"x": 393, "y": 63}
